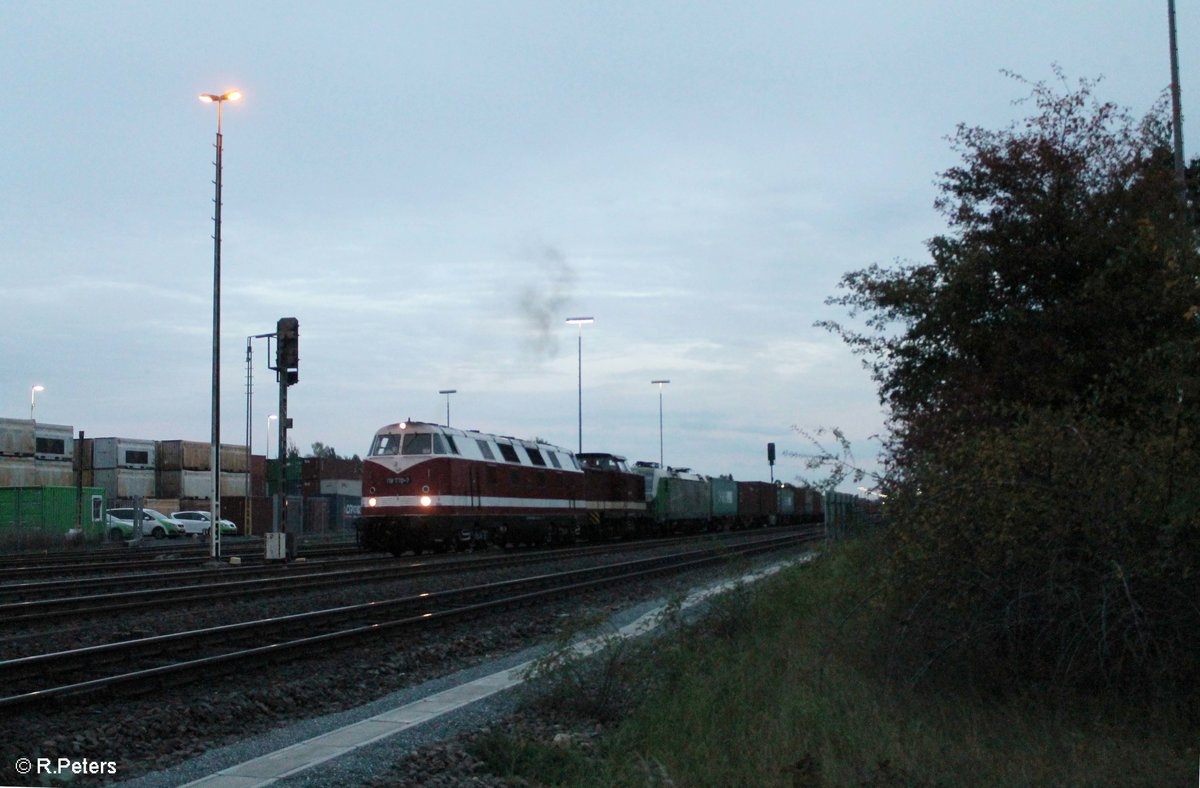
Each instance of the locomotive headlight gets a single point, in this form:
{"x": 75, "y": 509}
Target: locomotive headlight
{"x": 426, "y": 500}
{"x": 372, "y": 502}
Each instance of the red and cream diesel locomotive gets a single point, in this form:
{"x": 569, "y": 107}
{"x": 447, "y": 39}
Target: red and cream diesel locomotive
{"x": 431, "y": 487}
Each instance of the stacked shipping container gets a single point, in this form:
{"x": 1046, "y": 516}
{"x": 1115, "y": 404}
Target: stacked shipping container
{"x": 122, "y": 467}
{"x": 185, "y": 469}
{"x": 175, "y": 475}
{"x": 35, "y": 455}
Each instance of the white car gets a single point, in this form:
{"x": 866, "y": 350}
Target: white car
{"x": 154, "y": 523}
{"x": 201, "y": 522}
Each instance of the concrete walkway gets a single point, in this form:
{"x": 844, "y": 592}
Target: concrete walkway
{"x": 306, "y": 754}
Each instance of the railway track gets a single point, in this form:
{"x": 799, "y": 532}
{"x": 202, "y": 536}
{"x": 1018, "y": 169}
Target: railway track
{"x": 144, "y": 664}
{"x": 23, "y": 603}
{"x": 174, "y": 553}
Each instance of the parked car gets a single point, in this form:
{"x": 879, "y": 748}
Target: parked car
{"x": 200, "y": 522}
{"x": 120, "y": 524}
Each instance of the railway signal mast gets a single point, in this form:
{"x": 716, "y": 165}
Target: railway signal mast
{"x": 287, "y": 371}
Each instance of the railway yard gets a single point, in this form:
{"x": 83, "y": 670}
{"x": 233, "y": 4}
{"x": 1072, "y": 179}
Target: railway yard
{"x": 150, "y": 658}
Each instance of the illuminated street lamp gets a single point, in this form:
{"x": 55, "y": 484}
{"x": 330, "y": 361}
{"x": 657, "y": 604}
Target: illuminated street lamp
{"x": 211, "y": 98}
{"x": 447, "y": 392}
{"x": 580, "y": 321}
{"x": 33, "y": 398}
{"x": 660, "y": 430}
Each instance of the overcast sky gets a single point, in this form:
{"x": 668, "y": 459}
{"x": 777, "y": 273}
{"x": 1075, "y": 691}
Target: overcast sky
{"x": 433, "y": 188}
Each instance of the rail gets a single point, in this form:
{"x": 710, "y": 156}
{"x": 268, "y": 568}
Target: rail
{"x": 286, "y": 636}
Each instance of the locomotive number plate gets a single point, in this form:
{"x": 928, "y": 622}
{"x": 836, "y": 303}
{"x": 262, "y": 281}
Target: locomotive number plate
{"x": 397, "y": 480}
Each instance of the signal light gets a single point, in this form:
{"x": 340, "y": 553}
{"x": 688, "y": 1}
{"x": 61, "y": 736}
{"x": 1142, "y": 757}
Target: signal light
{"x": 287, "y": 349}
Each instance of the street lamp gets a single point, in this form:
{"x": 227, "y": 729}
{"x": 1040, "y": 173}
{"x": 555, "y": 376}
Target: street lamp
{"x": 211, "y": 98}
{"x": 33, "y": 398}
{"x": 580, "y": 321}
{"x": 447, "y": 392}
{"x": 660, "y": 383}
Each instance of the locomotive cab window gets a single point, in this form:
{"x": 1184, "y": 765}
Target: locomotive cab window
{"x": 439, "y": 447}
{"x": 418, "y": 443}
{"x": 535, "y": 456}
{"x": 508, "y": 452}
{"x": 553, "y": 459}
{"x": 386, "y": 444}
{"x": 453, "y": 445}
{"x": 485, "y": 449}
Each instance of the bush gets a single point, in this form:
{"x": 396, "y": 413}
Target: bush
{"x": 1059, "y": 552}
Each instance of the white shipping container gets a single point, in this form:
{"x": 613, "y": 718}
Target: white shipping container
{"x": 110, "y": 453}
{"x": 17, "y": 472}
{"x": 341, "y": 487}
{"x": 54, "y": 474}
{"x": 233, "y": 484}
{"x": 185, "y": 484}
{"x": 198, "y": 484}
{"x": 126, "y": 482}
{"x": 54, "y": 442}
{"x": 16, "y": 437}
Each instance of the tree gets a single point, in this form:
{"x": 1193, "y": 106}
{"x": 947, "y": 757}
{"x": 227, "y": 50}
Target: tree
{"x": 1063, "y": 265}
{"x": 1041, "y": 380}
{"x": 321, "y": 450}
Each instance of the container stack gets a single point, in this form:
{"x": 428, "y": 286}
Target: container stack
{"x": 33, "y": 454}
{"x": 185, "y": 469}
{"x": 17, "y": 465}
{"x": 331, "y": 476}
{"x": 332, "y": 490}
{"x": 176, "y": 475}
{"x": 124, "y": 467}
{"x": 54, "y": 455}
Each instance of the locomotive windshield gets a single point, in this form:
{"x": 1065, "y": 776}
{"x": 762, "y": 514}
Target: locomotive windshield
{"x": 420, "y": 443}
{"x": 386, "y": 444}
{"x": 408, "y": 444}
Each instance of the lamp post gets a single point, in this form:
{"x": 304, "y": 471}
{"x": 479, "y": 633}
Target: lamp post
{"x": 33, "y": 390}
{"x": 212, "y": 98}
{"x": 660, "y": 383}
{"x": 247, "y": 509}
{"x": 580, "y": 321}
{"x": 447, "y": 392}
{"x": 1176, "y": 111}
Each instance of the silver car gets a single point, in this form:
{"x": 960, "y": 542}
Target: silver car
{"x": 199, "y": 523}
{"x": 154, "y": 523}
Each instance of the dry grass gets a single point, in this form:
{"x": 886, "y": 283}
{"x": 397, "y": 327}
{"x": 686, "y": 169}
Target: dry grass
{"x": 782, "y": 685}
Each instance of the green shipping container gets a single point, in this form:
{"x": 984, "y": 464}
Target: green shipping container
{"x": 681, "y": 499}
{"x": 724, "y": 497}
{"x": 787, "y": 499}
{"x": 293, "y": 467}
{"x": 50, "y": 511}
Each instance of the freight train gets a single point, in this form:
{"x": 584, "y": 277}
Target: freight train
{"x": 432, "y": 487}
